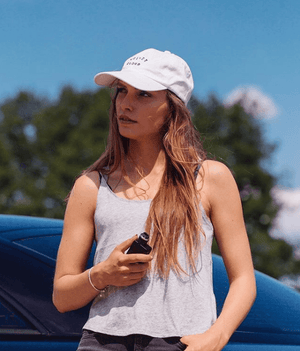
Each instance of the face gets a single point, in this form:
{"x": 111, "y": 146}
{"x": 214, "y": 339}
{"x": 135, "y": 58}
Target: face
{"x": 140, "y": 114}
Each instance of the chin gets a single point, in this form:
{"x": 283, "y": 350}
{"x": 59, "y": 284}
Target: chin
{"x": 127, "y": 134}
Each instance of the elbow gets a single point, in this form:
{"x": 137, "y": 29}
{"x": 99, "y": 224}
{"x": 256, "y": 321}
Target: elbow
{"x": 252, "y": 290}
{"x": 59, "y": 305}
{"x": 251, "y": 286}
{"x": 60, "y": 310}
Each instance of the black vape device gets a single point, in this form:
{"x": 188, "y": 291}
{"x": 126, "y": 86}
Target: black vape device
{"x": 140, "y": 245}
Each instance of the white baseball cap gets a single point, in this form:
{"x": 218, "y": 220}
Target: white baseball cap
{"x": 153, "y": 70}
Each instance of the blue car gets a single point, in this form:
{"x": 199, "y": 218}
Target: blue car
{"x": 29, "y": 321}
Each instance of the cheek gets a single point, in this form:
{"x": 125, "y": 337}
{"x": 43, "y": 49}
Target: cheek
{"x": 156, "y": 120}
{"x": 117, "y": 104}
{"x": 161, "y": 115}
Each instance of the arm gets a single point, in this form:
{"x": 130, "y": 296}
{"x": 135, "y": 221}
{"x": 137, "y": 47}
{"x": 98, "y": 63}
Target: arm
{"x": 223, "y": 199}
{"x": 72, "y": 288}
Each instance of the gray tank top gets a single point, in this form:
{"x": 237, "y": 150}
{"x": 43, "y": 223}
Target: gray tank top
{"x": 156, "y": 307}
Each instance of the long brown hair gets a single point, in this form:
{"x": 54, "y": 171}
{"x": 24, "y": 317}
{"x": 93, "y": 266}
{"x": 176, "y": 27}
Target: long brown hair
{"x": 175, "y": 209}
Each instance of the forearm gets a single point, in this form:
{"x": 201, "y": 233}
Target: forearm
{"x": 73, "y": 291}
{"x": 240, "y": 298}
{"x": 238, "y": 302}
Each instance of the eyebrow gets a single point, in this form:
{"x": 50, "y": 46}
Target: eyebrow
{"x": 119, "y": 83}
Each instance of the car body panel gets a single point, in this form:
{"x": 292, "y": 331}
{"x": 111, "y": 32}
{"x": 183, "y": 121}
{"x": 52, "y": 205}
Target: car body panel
{"x": 275, "y": 315}
{"x": 30, "y": 280}
{"x": 27, "y": 261}
{"x": 24, "y": 345}
{"x": 260, "y": 347}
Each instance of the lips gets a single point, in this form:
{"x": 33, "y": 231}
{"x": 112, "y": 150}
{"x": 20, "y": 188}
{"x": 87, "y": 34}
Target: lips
{"x": 126, "y": 119}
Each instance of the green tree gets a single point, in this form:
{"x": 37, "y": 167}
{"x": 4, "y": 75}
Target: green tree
{"x": 236, "y": 138}
{"x": 44, "y": 145}
{"x": 17, "y": 139}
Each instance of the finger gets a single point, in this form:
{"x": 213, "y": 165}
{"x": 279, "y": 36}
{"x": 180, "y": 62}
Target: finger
{"x": 126, "y": 244}
{"x": 130, "y": 279}
{"x": 138, "y": 267}
{"x": 136, "y": 276}
{"x": 136, "y": 258}
{"x": 132, "y": 269}
{"x": 184, "y": 340}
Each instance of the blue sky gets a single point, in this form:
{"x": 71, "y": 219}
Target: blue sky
{"x": 227, "y": 43}
{"x": 45, "y": 45}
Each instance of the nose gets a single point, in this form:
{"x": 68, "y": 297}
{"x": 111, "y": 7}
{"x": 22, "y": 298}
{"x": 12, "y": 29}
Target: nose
{"x": 126, "y": 102}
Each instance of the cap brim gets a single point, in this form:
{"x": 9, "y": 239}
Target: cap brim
{"x": 137, "y": 80}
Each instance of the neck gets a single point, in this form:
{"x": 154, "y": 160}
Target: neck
{"x": 147, "y": 157}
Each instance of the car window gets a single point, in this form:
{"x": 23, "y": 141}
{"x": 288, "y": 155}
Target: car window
{"x": 48, "y": 246}
{"x": 11, "y": 322}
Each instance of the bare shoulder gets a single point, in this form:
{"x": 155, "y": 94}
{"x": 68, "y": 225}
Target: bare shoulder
{"x": 216, "y": 172}
{"x": 218, "y": 185}
{"x": 85, "y": 190}
{"x": 86, "y": 183}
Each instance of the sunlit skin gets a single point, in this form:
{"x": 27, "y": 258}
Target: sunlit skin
{"x": 140, "y": 114}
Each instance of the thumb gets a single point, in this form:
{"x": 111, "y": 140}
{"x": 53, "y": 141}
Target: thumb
{"x": 126, "y": 244}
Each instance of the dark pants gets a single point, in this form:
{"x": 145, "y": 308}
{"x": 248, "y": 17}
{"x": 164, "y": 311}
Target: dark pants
{"x": 92, "y": 341}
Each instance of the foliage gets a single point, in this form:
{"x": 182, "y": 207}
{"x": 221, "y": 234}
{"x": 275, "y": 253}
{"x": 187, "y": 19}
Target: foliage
{"x": 235, "y": 138}
{"x": 45, "y": 145}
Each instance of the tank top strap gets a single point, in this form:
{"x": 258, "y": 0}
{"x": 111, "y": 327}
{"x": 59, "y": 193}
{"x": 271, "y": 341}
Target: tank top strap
{"x": 197, "y": 170}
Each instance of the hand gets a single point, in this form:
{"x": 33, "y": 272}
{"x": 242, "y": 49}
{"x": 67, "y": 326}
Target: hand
{"x": 120, "y": 269}
{"x": 208, "y": 341}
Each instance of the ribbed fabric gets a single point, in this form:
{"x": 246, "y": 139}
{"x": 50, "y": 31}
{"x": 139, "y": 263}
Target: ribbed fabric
{"x": 160, "y": 308}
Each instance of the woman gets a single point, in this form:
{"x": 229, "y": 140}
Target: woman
{"x": 153, "y": 177}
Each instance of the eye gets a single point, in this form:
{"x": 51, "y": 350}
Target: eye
{"x": 144, "y": 93}
{"x": 121, "y": 90}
